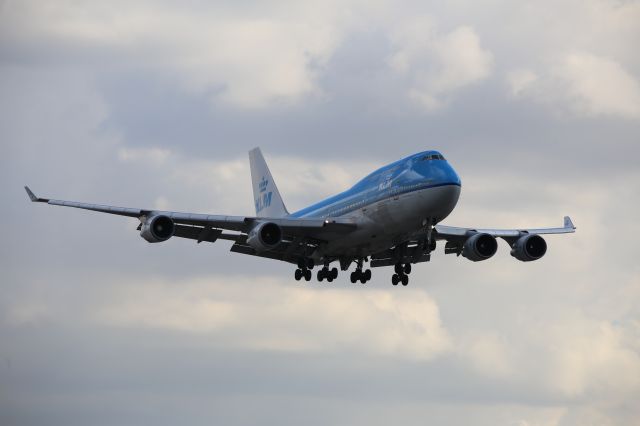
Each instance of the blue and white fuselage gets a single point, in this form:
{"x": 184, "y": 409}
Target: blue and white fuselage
{"x": 391, "y": 203}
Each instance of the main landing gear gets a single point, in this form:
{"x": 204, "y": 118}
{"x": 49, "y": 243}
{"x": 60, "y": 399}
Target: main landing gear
{"x": 329, "y": 274}
{"x": 359, "y": 275}
{"x": 402, "y": 274}
{"x": 304, "y": 269}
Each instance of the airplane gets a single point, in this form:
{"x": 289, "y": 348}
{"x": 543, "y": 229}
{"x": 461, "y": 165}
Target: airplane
{"x": 389, "y": 218}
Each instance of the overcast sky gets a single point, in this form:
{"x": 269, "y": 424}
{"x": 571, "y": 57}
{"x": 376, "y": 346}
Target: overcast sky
{"x": 149, "y": 104}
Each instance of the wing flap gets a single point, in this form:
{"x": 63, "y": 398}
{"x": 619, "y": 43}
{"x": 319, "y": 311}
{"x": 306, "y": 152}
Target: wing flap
{"x": 197, "y": 233}
{"x": 281, "y": 253}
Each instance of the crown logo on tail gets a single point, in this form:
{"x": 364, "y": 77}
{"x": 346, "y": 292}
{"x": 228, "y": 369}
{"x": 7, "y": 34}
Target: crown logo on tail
{"x": 263, "y": 184}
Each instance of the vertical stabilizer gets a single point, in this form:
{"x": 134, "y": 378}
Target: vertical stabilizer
{"x": 266, "y": 196}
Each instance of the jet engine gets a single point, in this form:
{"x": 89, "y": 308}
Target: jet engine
{"x": 157, "y": 229}
{"x": 265, "y": 236}
{"x": 529, "y": 247}
{"x": 479, "y": 247}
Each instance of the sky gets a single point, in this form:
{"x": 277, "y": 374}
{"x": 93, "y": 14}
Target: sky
{"x": 536, "y": 104}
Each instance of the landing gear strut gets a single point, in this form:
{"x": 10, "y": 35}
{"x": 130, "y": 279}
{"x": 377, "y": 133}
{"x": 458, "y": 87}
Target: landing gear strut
{"x": 402, "y": 274}
{"x": 359, "y": 275}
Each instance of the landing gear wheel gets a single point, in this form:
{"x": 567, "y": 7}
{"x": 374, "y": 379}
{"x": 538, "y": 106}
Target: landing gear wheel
{"x": 394, "y": 279}
{"x": 367, "y": 274}
{"x": 307, "y": 275}
{"x": 298, "y": 274}
{"x": 320, "y": 275}
{"x": 405, "y": 280}
{"x": 330, "y": 278}
{"x": 407, "y": 268}
{"x": 334, "y": 273}
{"x": 363, "y": 279}
{"x": 354, "y": 278}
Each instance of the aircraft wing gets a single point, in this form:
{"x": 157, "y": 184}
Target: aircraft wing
{"x": 443, "y": 232}
{"x": 204, "y": 227}
{"x": 415, "y": 249}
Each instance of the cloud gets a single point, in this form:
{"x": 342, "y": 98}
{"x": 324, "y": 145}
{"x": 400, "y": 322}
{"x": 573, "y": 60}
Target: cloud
{"x": 155, "y": 104}
{"x": 583, "y": 84}
{"x": 598, "y": 85}
{"x": 274, "y": 318}
{"x": 521, "y": 80}
{"x": 438, "y": 64}
{"x": 589, "y": 356}
{"x": 242, "y": 58}
{"x": 488, "y": 353}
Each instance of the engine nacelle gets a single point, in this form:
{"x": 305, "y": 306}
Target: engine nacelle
{"x": 265, "y": 236}
{"x": 529, "y": 247}
{"x": 479, "y": 247}
{"x": 157, "y": 229}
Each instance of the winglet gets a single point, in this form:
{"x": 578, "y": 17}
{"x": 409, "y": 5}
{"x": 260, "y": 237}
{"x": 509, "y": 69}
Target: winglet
{"x": 33, "y": 196}
{"x": 568, "y": 223}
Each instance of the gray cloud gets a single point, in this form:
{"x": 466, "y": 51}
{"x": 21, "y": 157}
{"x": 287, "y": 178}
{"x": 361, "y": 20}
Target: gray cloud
{"x": 157, "y": 104}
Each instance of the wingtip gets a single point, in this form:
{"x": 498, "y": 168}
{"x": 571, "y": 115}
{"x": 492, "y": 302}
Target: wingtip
{"x": 33, "y": 197}
{"x": 568, "y": 223}
{"x": 30, "y": 194}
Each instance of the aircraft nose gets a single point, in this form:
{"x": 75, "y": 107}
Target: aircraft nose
{"x": 448, "y": 174}
{"x": 454, "y": 176}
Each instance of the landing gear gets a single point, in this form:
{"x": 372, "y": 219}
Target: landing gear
{"x": 304, "y": 269}
{"x": 400, "y": 279}
{"x": 302, "y": 273}
{"x": 329, "y": 274}
{"x": 362, "y": 276}
{"x": 402, "y": 274}
{"x": 359, "y": 274}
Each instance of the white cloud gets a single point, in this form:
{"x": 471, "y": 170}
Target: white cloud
{"x": 581, "y": 83}
{"x": 245, "y": 59}
{"x": 590, "y": 356}
{"x": 520, "y": 80}
{"x": 438, "y": 64}
{"x": 598, "y": 85}
{"x": 488, "y": 353}
{"x": 285, "y": 318}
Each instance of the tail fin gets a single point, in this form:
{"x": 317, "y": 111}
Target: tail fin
{"x": 265, "y": 192}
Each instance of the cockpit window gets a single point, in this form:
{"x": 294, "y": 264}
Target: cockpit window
{"x": 432, "y": 157}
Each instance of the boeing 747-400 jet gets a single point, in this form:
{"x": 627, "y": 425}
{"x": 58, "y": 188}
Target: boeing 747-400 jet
{"x": 389, "y": 218}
